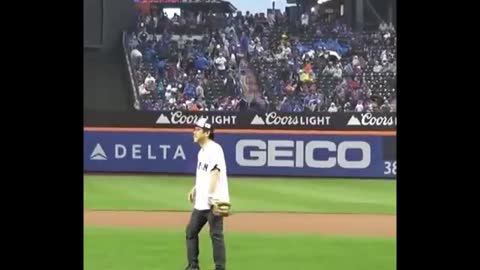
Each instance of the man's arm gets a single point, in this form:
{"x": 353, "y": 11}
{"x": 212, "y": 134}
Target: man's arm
{"x": 214, "y": 178}
{"x": 191, "y": 195}
{"x": 218, "y": 162}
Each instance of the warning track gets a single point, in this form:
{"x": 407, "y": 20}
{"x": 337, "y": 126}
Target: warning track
{"x": 326, "y": 224}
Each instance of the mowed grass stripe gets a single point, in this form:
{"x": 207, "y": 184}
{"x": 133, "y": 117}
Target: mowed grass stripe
{"x": 126, "y": 249}
{"x": 247, "y": 194}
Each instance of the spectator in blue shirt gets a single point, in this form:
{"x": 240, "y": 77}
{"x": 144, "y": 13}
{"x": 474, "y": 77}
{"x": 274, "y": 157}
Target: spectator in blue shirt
{"x": 201, "y": 63}
{"x": 244, "y": 43}
{"x": 149, "y": 54}
{"x": 286, "y": 106}
{"x": 190, "y": 91}
{"x": 319, "y": 44}
{"x": 301, "y": 48}
{"x": 278, "y": 87}
{"x": 160, "y": 65}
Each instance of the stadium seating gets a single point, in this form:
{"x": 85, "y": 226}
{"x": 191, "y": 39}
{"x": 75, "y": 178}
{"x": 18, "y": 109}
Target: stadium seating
{"x": 370, "y": 45}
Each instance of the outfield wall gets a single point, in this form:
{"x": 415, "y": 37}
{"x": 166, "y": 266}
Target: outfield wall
{"x": 273, "y": 153}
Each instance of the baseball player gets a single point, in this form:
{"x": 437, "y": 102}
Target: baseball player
{"x": 209, "y": 195}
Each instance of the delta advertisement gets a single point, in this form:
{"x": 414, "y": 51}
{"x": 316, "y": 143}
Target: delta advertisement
{"x": 245, "y": 154}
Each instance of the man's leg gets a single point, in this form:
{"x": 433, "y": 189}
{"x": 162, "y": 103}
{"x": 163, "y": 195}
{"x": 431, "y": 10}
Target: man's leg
{"x": 197, "y": 221}
{"x": 218, "y": 243}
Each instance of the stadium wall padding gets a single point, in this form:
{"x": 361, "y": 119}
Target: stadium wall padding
{"x": 104, "y": 21}
{"x": 106, "y": 86}
{"x": 353, "y": 156}
{"x": 105, "y": 81}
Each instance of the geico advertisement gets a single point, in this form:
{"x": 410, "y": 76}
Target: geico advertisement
{"x": 245, "y": 154}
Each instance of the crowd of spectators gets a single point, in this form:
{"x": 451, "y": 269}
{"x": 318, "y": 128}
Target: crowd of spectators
{"x": 313, "y": 66}
{"x": 328, "y": 67}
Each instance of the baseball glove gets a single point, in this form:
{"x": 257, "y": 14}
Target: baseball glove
{"x": 221, "y": 209}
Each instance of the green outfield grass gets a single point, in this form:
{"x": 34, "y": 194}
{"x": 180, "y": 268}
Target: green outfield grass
{"x": 127, "y": 249}
{"x": 247, "y": 194}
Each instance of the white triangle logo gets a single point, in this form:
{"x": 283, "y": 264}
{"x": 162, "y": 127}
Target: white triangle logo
{"x": 257, "y": 120}
{"x": 162, "y": 119}
{"x": 354, "y": 121}
{"x": 98, "y": 153}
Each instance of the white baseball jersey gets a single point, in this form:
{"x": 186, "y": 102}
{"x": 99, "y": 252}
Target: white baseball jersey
{"x": 209, "y": 157}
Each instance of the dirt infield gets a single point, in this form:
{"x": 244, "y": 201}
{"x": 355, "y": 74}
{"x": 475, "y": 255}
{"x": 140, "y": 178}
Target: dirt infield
{"x": 326, "y": 224}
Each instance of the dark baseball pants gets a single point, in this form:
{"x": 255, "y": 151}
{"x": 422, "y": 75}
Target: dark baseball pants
{"x": 198, "y": 219}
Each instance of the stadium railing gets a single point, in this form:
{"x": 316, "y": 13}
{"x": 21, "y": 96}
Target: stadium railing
{"x": 136, "y": 103}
